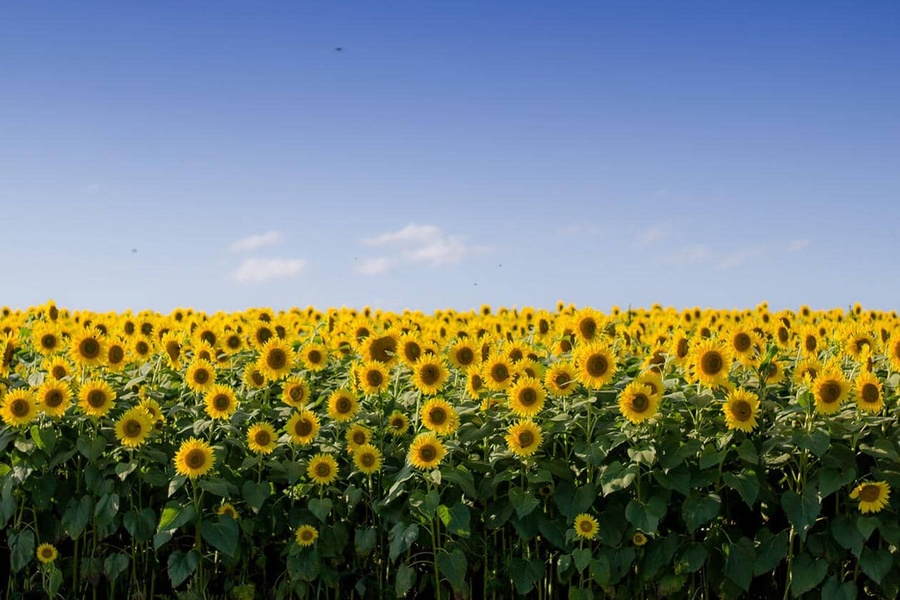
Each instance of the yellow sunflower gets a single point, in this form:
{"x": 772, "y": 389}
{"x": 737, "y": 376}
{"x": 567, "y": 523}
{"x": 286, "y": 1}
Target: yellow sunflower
{"x": 745, "y": 344}
{"x": 410, "y": 348}
{"x": 586, "y": 526}
{"x": 302, "y": 427}
{"x": 868, "y": 392}
{"x": 314, "y": 356}
{"x": 253, "y": 378}
{"x": 637, "y": 403}
{"x": 115, "y": 354}
{"x": 873, "y": 496}
{"x": 171, "y": 345}
{"x": 373, "y": 377}
{"x": 322, "y": 469}
{"x": 398, "y": 423}
{"x": 86, "y": 347}
{"x": 142, "y": 346}
{"x": 429, "y": 374}
{"x": 474, "y": 382}
{"x": 740, "y": 408}
{"x": 805, "y": 371}
{"x": 200, "y": 376}
{"x": 710, "y": 362}
{"x": 227, "y": 510}
{"x": 561, "y": 379}
{"x": 439, "y": 416}
{"x": 342, "y": 405}
{"x": 295, "y": 392}
{"x": 153, "y": 409}
{"x": 96, "y": 397}
{"x": 367, "y": 459}
{"x": 306, "y": 535}
{"x": 358, "y": 435}
{"x": 497, "y": 372}
{"x": 653, "y": 380}
{"x": 523, "y": 438}
{"x": 58, "y": 367}
{"x": 595, "y": 365}
{"x": 55, "y": 397}
{"x": 638, "y": 539}
{"x": 526, "y": 398}
{"x": 830, "y": 389}
{"x": 194, "y": 458}
{"x": 381, "y": 349}
{"x": 47, "y": 338}
{"x": 276, "y": 358}
{"x": 220, "y": 401}
{"x": 261, "y": 438}
{"x": 426, "y": 451}
{"x": 19, "y": 407}
{"x": 46, "y": 553}
{"x": 233, "y": 343}
{"x": 463, "y": 354}
{"x": 133, "y": 427}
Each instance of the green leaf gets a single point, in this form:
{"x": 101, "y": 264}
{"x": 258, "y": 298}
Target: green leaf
{"x": 711, "y": 456}
{"x": 525, "y": 573}
{"x": 615, "y": 477}
{"x": 600, "y": 571}
{"x": 402, "y": 536}
{"x": 91, "y": 448}
{"x": 582, "y": 558}
{"x": 678, "y": 479}
{"x": 222, "y": 534}
{"x": 320, "y": 507}
{"x": 876, "y": 563}
{"x": 7, "y": 506}
{"x": 699, "y": 510}
{"x": 123, "y": 470}
{"x": 835, "y": 590}
{"x": 817, "y": 442}
{"x": 443, "y": 514}
{"x": 175, "y": 484}
{"x": 462, "y": 478}
{"x": 255, "y": 494}
{"x": 831, "y": 480}
{"x": 646, "y": 516}
{"x": 21, "y": 548}
{"x": 802, "y": 512}
{"x": 737, "y": 565}
{"x": 106, "y": 509}
{"x": 77, "y": 515}
{"x": 140, "y": 525}
{"x": 406, "y": 579}
{"x": 847, "y": 534}
{"x": 115, "y": 565}
{"x": 806, "y": 573}
{"x": 218, "y": 487}
{"x": 747, "y": 452}
{"x": 181, "y": 566}
{"x": 304, "y": 565}
{"x": 692, "y": 559}
{"x": 452, "y": 565}
{"x": 866, "y": 526}
{"x": 175, "y": 516}
{"x": 55, "y": 581}
{"x": 770, "y": 552}
{"x": 747, "y": 485}
{"x": 523, "y": 502}
{"x": 364, "y": 541}
{"x": 161, "y": 539}
{"x": 460, "y": 519}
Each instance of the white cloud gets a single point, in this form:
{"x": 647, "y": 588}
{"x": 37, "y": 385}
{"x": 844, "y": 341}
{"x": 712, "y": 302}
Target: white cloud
{"x": 798, "y": 245}
{"x": 688, "y": 256}
{"x": 743, "y": 255}
{"x": 258, "y": 270}
{"x": 417, "y": 244}
{"x": 655, "y": 233}
{"x": 252, "y": 242}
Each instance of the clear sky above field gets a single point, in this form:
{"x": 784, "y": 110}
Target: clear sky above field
{"x": 425, "y": 155}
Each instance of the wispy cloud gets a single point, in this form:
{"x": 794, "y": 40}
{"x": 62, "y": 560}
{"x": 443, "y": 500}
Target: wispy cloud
{"x": 798, "y": 245}
{"x": 738, "y": 258}
{"x": 252, "y": 242}
{"x": 258, "y": 270}
{"x": 687, "y": 256}
{"x": 654, "y": 234}
{"x": 417, "y": 244}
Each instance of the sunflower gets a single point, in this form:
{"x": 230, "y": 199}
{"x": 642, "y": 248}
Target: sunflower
{"x": 220, "y": 401}
{"x": 830, "y": 389}
{"x": 95, "y": 398}
{"x": 46, "y": 553}
{"x": 54, "y": 396}
{"x": 342, "y": 405}
{"x": 58, "y": 367}
{"x": 302, "y": 427}
{"x": 637, "y": 403}
{"x": 367, "y": 459}
{"x": 873, "y": 496}
{"x": 398, "y": 423}
{"x": 497, "y": 372}
{"x": 740, "y": 410}
{"x": 638, "y": 539}
{"x": 275, "y": 359}
{"x": 201, "y": 375}
{"x": 373, "y": 376}
{"x": 745, "y": 345}
{"x": 429, "y": 374}
{"x": 868, "y": 392}
{"x": 523, "y": 438}
{"x": 426, "y": 451}
{"x": 322, "y": 469}
{"x": 806, "y": 371}
{"x": 463, "y": 354}
{"x": 381, "y": 349}
{"x": 314, "y": 356}
{"x": 653, "y": 380}
{"x": 528, "y": 367}
{"x": 526, "y": 398}
{"x": 586, "y": 526}
{"x": 358, "y": 435}
{"x": 439, "y": 416}
{"x": 295, "y": 392}
{"x": 227, "y": 510}
{"x": 115, "y": 354}
{"x": 253, "y": 378}
{"x": 588, "y": 325}
{"x": 47, "y": 338}
{"x": 19, "y": 407}
{"x": 261, "y": 438}
{"x": 595, "y": 365}
{"x": 133, "y": 427}
{"x": 893, "y": 349}
{"x": 153, "y": 409}
{"x": 194, "y": 458}
{"x": 306, "y": 535}
{"x": 260, "y": 333}
{"x": 410, "y": 348}
{"x": 710, "y": 362}
{"x": 474, "y": 382}
{"x": 86, "y": 347}
{"x": 561, "y": 379}
{"x": 171, "y": 345}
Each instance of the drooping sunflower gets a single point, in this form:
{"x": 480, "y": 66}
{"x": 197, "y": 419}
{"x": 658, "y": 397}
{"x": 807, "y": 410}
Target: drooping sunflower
{"x": 497, "y": 372}
{"x": 439, "y": 416}
{"x": 740, "y": 408}
{"x": 133, "y": 427}
{"x": 358, "y": 435}
{"x": 96, "y": 397}
{"x": 261, "y": 438}
{"x": 306, "y": 535}
{"x": 58, "y": 367}
{"x": 373, "y": 377}
{"x": 429, "y": 374}
{"x": 474, "y": 382}
{"x": 322, "y": 469}
{"x": 561, "y": 379}
{"x": 830, "y": 389}
{"x": 398, "y": 423}
{"x": 19, "y": 407}
{"x": 171, "y": 344}
{"x": 302, "y": 427}
{"x": 595, "y": 365}
{"x": 709, "y": 363}
{"x": 868, "y": 395}
{"x": 342, "y": 405}
{"x": 873, "y": 496}
{"x": 86, "y": 347}
{"x": 637, "y": 403}
{"x": 194, "y": 458}
{"x": 276, "y": 358}
{"x": 367, "y": 459}
{"x": 524, "y": 437}
{"x": 220, "y": 402}
{"x": 426, "y": 451}
{"x": 55, "y": 397}
{"x": 46, "y": 553}
{"x": 586, "y": 526}
{"x": 47, "y": 338}
{"x": 227, "y": 510}
{"x": 526, "y": 398}
{"x": 200, "y": 376}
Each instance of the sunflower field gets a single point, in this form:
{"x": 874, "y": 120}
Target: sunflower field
{"x": 485, "y": 454}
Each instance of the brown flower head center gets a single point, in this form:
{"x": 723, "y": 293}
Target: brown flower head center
{"x": 263, "y": 334}
{"x": 397, "y": 423}
{"x": 430, "y": 374}
{"x": 173, "y": 349}
{"x": 499, "y": 373}
{"x": 465, "y": 356}
{"x": 597, "y": 365}
{"x": 742, "y": 342}
{"x": 711, "y": 363}
{"x": 830, "y": 391}
{"x": 53, "y": 399}
{"x": 233, "y": 341}
{"x": 89, "y": 348}
{"x": 314, "y": 357}
{"x": 427, "y": 453}
{"x": 97, "y": 398}
{"x": 201, "y": 376}
{"x": 195, "y": 459}
{"x": 587, "y": 328}
{"x": 116, "y": 354}
{"x": 322, "y": 470}
{"x": 515, "y": 355}
{"x": 344, "y": 405}
{"x": 437, "y": 415}
{"x": 382, "y": 349}
{"x": 58, "y": 372}
{"x": 49, "y": 341}
{"x": 303, "y": 427}
{"x": 256, "y": 377}
{"x": 528, "y": 397}
{"x": 741, "y": 410}
{"x": 262, "y": 438}
{"x": 681, "y": 350}
{"x": 142, "y": 348}
{"x": 476, "y": 382}
{"x": 367, "y": 459}
{"x": 221, "y": 402}
{"x": 276, "y": 359}
{"x": 586, "y": 526}
{"x": 810, "y": 343}
{"x": 526, "y": 439}
{"x": 360, "y": 437}
{"x": 870, "y": 393}
{"x": 374, "y": 378}
{"x": 870, "y": 493}
{"x": 543, "y": 326}
{"x": 306, "y": 535}
{"x": 46, "y": 553}
{"x": 20, "y": 407}
{"x": 133, "y": 428}
{"x": 640, "y": 403}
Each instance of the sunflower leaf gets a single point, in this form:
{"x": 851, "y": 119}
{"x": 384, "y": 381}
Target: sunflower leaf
{"x": 255, "y": 494}
{"x": 876, "y": 563}
{"x": 806, "y": 573}
{"x": 222, "y": 535}
{"x": 835, "y": 590}
{"x": 21, "y": 547}
{"x": 181, "y": 566}
{"x": 803, "y": 511}
{"x": 698, "y": 510}
{"x": 524, "y": 502}
{"x": 745, "y": 483}
{"x": 218, "y": 487}
{"x": 320, "y": 507}
{"x": 847, "y": 534}
{"x": 406, "y": 579}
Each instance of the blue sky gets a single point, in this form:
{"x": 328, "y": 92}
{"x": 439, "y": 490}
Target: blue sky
{"x": 223, "y": 155}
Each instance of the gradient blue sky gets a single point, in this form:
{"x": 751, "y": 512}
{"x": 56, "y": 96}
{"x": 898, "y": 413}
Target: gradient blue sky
{"x": 223, "y": 155}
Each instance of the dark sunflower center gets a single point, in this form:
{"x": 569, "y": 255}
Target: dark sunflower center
{"x": 742, "y": 342}
{"x": 143, "y": 348}
{"x": 586, "y": 526}
{"x": 58, "y": 372}
{"x": 146, "y": 328}
{"x": 427, "y": 453}
{"x": 382, "y": 349}
{"x": 306, "y": 535}
{"x": 323, "y": 470}
{"x": 262, "y": 438}
{"x": 233, "y": 342}
{"x": 543, "y": 326}
{"x": 562, "y": 381}
{"x": 528, "y": 397}
{"x": 516, "y": 355}
{"x": 132, "y": 428}
{"x": 257, "y": 378}
{"x": 499, "y": 373}
{"x": 96, "y": 399}
{"x": 526, "y": 438}
{"x": 195, "y": 459}
{"x": 263, "y": 334}
{"x": 314, "y": 357}
{"x": 49, "y": 341}
{"x": 438, "y": 415}
{"x": 476, "y": 382}
{"x": 374, "y": 378}
{"x": 783, "y": 334}
{"x": 597, "y": 365}
{"x": 711, "y": 363}
{"x": 20, "y": 407}
{"x": 465, "y": 356}
{"x": 276, "y": 359}
{"x": 229, "y": 511}
{"x": 53, "y": 399}
{"x": 129, "y": 327}
{"x": 303, "y": 427}
{"x": 810, "y": 343}
{"x": 565, "y": 345}
{"x": 741, "y": 410}
{"x": 681, "y": 349}
{"x": 870, "y": 393}
{"x": 430, "y": 374}
{"x": 173, "y": 349}
{"x": 587, "y": 328}
{"x": 360, "y": 438}
{"x": 367, "y": 459}
{"x": 869, "y": 493}
{"x": 89, "y": 348}
{"x": 296, "y": 393}
{"x": 201, "y": 376}
{"x": 221, "y": 402}
{"x": 343, "y": 405}
{"x": 830, "y": 391}
{"x": 861, "y": 343}
{"x": 640, "y": 403}
{"x": 116, "y": 355}
{"x": 397, "y": 423}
